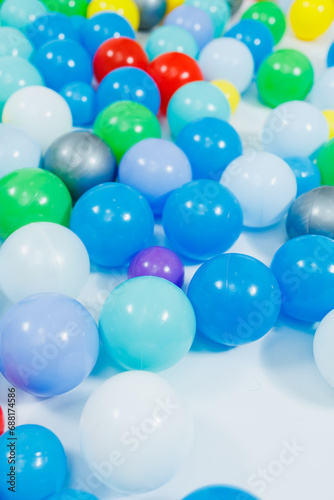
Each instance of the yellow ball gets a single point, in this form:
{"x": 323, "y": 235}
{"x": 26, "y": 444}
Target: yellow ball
{"x": 329, "y": 115}
{"x": 231, "y": 93}
{"x": 126, "y": 8}
{"x": 172, "y": 4}
{"x": 311, "y": 18}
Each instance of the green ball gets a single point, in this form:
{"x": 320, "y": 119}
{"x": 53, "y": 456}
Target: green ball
{"x": 325, "y": 162}
{"x": 67, "y": 7}
{"x": 269, "y": 14}
{"x": 286, "y": 75}
{"x": 32, "y": 195}
{"x": 125, "y": 123}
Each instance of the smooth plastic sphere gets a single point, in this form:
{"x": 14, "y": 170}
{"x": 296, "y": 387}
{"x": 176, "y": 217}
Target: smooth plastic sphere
{"x": 159, "y": 262}
{"x": 72, "y": 495}
{"x": 18, "y": 14}
{"x": 147, "y": 323}
{"x": 124, "y": 124}
{"x": 294, "y": 129}
{"x": 126, "y": 423}
{"x": 2, "y": 422}
{"x": 172, "y": 4}
{"x": 307, "y": 174}
{"x": 271, "y": 15}
{"x": 193, "y": 20}
{"x": 330, "y": 56}
{"x": 129, "y": 84}
{"x": 230, "y": 92}
{"x": 329, "y": 115}
{"x": 50, "y": 27}
{"x": 114, "y": 222}
{"x": 155, "y": 168}
{"x": 43, "y": 257}
{"x": 302, "y": 266}
{"x": 125, "y": 8}
{"x": 218, "y": 10}
{"x": 171, "y": 71}
{"x": 116, "y": 53}
{"x": 264, "y": 185}
{"x": 14, "y": 43}
{"x": 49, "y": 344}
{"x": 209, "y": 138}
{"x": 322, "y": 93}
{"x": 151, "y": 13}
{"x": 323, "y": 348}
{"x": 17, "y": 150}
{"x": 202, "y": 219}
{"x": 81, "y": 160}
{"x": 236, "y": 299}
{"x": 228, "y": 59}
{"x": 194, "y": 101}
{"x": 166, "y": 39}
{"x": 219, "y": 493}
{"x": 311, "y": 19}
{"x": 287, "y": 75}
{"x": 82, "y": 101}
{"x": 52, "y": 115}
{"x": 325, "y": 162}
{"x": 67, "y": 7}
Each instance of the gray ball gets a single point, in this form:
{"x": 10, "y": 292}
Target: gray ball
{"x": 81, "y": 160}
{"x": 312, "y": 213}
{"x": 151, "y": 13}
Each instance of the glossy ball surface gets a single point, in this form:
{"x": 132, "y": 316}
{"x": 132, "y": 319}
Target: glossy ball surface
{"x": 311, "y": 19}
{"x": 307, "y": 173}
{"x": 82, "y": 101}
{"x": 72, "y": 495}
{"x": 163, "y": 418}
{"x": 125, "y": 8}
{"x": 159, "y": 262}
{"x": 68, "y": 7}
{"x": 193, "y": 20}
{"x": 219, "y": 493}
{"x": 323, "y": 348}
{"x": 172, "y": 4}
{"x": 18, "y": 14}
{"x": 236, "y": 299}
{"x": 230, "y": 92}
{"x": 325, "y": 162}
{"x": 17, "y": 150}
{"x": 322, "y": 92}
{"x": 14, "y": 43}
{"x": 166, "y": 39}
{"x": 219, "y": 12}
{"x": 50, "y": 27}
{"x": 155, "y": 168}
{"x": 202, "y": 219}
{"x": 271, "y": 15}
{"x": 330, "y": 56}
{"x": 151, "y": 13}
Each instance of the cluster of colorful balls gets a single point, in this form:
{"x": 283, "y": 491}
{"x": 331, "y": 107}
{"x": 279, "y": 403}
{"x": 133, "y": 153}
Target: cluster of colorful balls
{"x": 66, "y": 63}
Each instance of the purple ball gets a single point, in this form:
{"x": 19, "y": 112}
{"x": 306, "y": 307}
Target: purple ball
{"x": 160, "y": 262}
{"x": 196, "y": 21}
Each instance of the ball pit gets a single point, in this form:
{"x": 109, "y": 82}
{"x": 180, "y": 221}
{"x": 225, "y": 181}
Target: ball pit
{"x": 196, "y": 21}
{"x": 50, "y": 27}
{"x": 167, "y": 39}
{"x": 271, "y": 15}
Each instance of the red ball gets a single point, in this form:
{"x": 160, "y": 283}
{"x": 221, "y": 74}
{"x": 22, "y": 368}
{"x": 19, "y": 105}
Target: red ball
{"x": 2, "y": 422}
{"x": 171, "y": 71}
{"x": 117, "y": 52}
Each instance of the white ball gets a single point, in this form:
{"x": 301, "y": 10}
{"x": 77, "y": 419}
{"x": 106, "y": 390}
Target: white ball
{"x": 228, "y": 59}
{"x": 265, "y": 186}
{"x": 135, "y": 432}
{"x": 323, "y": 348}
{"x": 41, "y": 112}
{"x": 43, "y": 257}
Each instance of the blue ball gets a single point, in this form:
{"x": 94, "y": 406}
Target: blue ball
{"x": 62, "y": 62}
{"x": 101, "y": 27}
{"x": 236, "y": 299}
{"x": 40, "y": 463}
{"x": 195, "y": 21}
{"x": 211, "y": 145}
{"x": 129, "y": 84}
{"x": 257, "y": 36}
{"x": 72, "y": 495}
{"x": 202, "y": 219}
{"x": 304, "y": 269}
{"x": 307, "y": 173}
{"x": 171, "y": 39}
{"x": 82, "y": 100}
{"x": 114, "y": 222}
{"x": 219, "y": 12}
{"x": 330, "y": 56}
{"x": 50, "y": 27}
{"x": 219, "y": 493}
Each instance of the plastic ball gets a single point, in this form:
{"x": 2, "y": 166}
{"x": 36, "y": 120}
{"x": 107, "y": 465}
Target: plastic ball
{"x": 236, "y": 299}
{"x": 49, "y": 344}
{"x": 209, "y": 138}
{"x": 129, "y": 84}
{"x": 125, "y": 8}
{"x": 50, "y": 27}
{"x": 138, "y": 414}
{"x": 286, "y": 75}
{"x": 302, "y": 266}
{"x": 172, "y": 71}
{"x": 194, "y": 101}
{"x": 14, "y": 43}
{"x": 151, "y": 13}
{"x": 312, "y": 213}
{"x": 323, "y": 348}
{"x": 159, "y": 262}
{"x": 325, "y": 162}
{"x": 82, "y": 101}
{"x": 42, "y": 463}
{"x": 271, "y": 15}
{"x": 218, "y": 10}
{"x": 234, "y": 5}
{"x": 322, "y": 93}
{"x": 18, "y": 14}
{"x": 329, "y": 115}
{"x": 124, "y": 124}
{"x": 172, "y": 4}
{"x": 264, "y": 185}
{"x": 171, "y": 39}
{"x": 17, "y": 150}
{"x": 116, "y": 53}
{"x": 228, "y": 59}
{"x": 81, "y": 160}
{"x": 2, "y": 422}
{"x": 68, "y": 7}
{"x": 51, "y": 114}
{"x": 330, "y": 56}
{"x": 311, "y": 19}
{"x": 155, "y": 167}
{"x": 294, "y": 128}
{"x": 193, "y": 20}
{"x": 114, "y": 222}
{"x": 103, "y": 26}
{"x": 147, "y": 323}
{"x": 230, "y": 92}
{"x": 219, "y": 493}
{"x": 257, "y": 36}
{"x": 306, "y": 172}
{"x": 43, "y": 257}
{"x": 72, "y": 495}
{"x": 202, "y": 219}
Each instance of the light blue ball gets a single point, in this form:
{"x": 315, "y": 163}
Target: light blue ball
{"x": 322, "y": 95}
{"x": 14, "y": 43}
{"x": 19, "y": 13}
{"x": 17, "y": 150}
{"x": 82, "y": 100}
{"x": 194, "y": 20}
{"x": 194, "y": 101}
{"x": 147, "y": 323}
{"x": 72, "y": 495}
{"x": 307, "y": 173}
{"x": 171, "y": 39}
{"x": 218, "y": 10}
